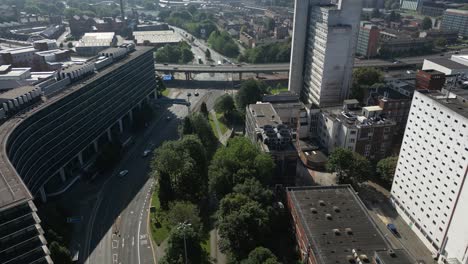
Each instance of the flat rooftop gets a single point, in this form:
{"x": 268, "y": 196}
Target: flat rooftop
{"x": 336, "y": 222}
{"x": 264, "y": 114}
{"x": 14, "y": 93}
{"x": 448, "y": 63}
{"x": 457, "y": 101}
{"x": 12, "y": 189}
{"x": 161, "y": 36}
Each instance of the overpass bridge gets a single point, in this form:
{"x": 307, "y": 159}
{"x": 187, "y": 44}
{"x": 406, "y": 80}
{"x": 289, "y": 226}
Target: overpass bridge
{"x": 188, "y": 69}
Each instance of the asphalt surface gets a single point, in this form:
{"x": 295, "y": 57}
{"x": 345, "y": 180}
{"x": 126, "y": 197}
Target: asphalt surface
{"x": 118, "y": 226}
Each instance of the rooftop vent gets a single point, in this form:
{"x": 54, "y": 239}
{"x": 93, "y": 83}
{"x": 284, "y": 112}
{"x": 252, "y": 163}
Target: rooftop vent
{"x": 336, "y": 209}
{"x": 329, "y": 216}
{"x": 313, "y": 210}
{"x": 349, "y": 231}
{"x": 337, "y": 232}
{"x": 351, "y": 259}
{"x": 364, "y": 258}
{"x": 322, "y": 203}
{"x": 392, "y": 253}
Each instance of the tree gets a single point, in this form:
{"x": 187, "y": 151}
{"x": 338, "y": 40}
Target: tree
{"x": 208, "y": 54}
{"x": 187, "y": 128}
{"x": 261, "y": 255}
{"x": 242, "y": 224}
{"x": 440, "y": 42}
{"x": 61, "y": 45}
{"x": 375, "y": 13}
{"x": 184, "y": 212}
{"x": 349, "y": 166}
{"x": 160, "y": 86}
{"x": 204, "y": 110}
{"x": 426, "y": 23}
{"x": 70, "y": 45}
{"x": 224, "y": 104}
{"x": 165, "y": 191}
{"x": 223, "y": 43}
{"x": 386, "y": 169}
{"x": 269, "y": 23}
{"x": 59, "y": 254}
{"x": 175, "y": 251}
{"x": 253, "y": 189}
{"x": 202, "y": 128}
{"x": 363, "y": 79}
{"x": 235, "y": 163}
{"x": 250, "y": 92}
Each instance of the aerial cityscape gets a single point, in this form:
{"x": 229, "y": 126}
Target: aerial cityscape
{"x": 233, "y": 131}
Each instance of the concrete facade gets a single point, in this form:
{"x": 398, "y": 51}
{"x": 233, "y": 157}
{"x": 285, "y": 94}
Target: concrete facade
{"x": 455, "y": 19}
{"x": 429, "y": 188}
{"x": 323, "y": 46}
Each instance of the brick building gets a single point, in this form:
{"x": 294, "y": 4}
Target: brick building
{"x": 429, "y": 80}
{"x": 332, "y": 225}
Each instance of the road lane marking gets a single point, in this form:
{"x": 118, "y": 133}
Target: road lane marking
{"x": 138, "y": 246}
{"x": 123, "y": 242}
{"x": 133, "y": 241}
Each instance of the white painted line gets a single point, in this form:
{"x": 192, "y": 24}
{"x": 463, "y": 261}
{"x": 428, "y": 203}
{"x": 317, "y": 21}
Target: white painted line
{"x": 123, "y": 242}
{"x": 138, "y": 246}
{"x": 133, "y": 241}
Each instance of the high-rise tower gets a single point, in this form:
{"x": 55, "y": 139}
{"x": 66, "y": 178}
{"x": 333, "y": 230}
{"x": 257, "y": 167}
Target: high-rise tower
{"x": 323, "y": 45}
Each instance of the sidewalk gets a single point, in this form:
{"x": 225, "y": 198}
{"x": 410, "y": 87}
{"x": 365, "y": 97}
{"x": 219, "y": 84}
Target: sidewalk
{"x": 223, "y": 138}
{"x": 216, "y": 254}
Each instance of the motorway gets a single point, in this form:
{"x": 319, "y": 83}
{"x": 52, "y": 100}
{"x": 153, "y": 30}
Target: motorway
{"x": 118, "y": 227}
{"x": 284, "y": 67}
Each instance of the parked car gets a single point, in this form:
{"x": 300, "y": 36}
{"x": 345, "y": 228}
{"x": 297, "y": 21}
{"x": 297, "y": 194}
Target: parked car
{"x": 196, "y": 94}
{"x": 146, "y": 152}
{"x": 123, "y": 173}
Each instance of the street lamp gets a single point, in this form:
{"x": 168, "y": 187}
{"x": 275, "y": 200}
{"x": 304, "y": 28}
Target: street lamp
{"x": 183, "y": 226}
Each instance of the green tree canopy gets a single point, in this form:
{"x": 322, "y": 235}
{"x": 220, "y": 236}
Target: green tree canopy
{"x": 426, "y": 23}
{"x": 184, "y": 212}
{"x": 261, "y": 255}
{"x": 175, "y": 254}
{"x": 204, "y": 110}
{"x": 386, "y": 169}
{"x": 242, "y": 224}
{"x": 238, "y": 161}
{"x": 363, "y": 79}
{"x": 253, "y": 189}
{"x": 224, "y": 104}
{"x": 180, "y": 53}
{"x": 201, "y": 127}
{"x": 440, "y": 42}
{"x": 59, "y": 253}
{"x": 223, "y": 43}
{"x": 349, "y": 166}
{"x": 268, "y": 53}
{"x": 250, "y": 92}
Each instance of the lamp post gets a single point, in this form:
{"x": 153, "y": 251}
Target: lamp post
{"x": 183, "y": 226}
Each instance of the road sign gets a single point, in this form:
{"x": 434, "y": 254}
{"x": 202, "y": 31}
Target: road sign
{"x": 168, "y": 77}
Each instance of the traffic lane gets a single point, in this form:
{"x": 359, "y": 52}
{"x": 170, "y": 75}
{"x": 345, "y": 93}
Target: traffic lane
{"x": 111, "y": 205}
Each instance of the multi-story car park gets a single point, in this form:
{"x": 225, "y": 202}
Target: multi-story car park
{"x": 48, "y": 142}
{"x": 429, "y": 190}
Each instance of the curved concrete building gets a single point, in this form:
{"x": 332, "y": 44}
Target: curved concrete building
{"x": 56, "y": 139}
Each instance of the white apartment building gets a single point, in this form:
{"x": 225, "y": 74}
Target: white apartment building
{"x": 430, "y": 190}
{"x": 323, "y": 45}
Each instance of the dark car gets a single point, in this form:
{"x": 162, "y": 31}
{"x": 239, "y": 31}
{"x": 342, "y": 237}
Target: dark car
{"x": 392, "y": 229}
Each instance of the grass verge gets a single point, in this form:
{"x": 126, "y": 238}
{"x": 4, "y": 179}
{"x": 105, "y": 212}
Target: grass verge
{"x": 222, "y": 126}
{"x": 160, "y": 227}
{"x": 165, "y": 92}
{"x": 279, "y": 90}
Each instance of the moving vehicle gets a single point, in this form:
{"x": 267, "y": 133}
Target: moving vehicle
{"x": 219, "y": 62}
{"x": 123, "y": 173}
{"x": 392, "y": 228}
{"x": 196, "y": 93}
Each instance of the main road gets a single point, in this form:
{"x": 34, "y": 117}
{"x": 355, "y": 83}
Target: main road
{"x": 118, "y": 227}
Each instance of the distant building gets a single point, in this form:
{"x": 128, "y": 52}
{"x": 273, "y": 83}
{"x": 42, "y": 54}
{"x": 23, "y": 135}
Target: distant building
{"x": 11, "y": 78}
{"x": 50, "y": 60}
{"x": 18, "y": 57}
{"x": 108, "y": 24}
{"x": 247, "y": 40}
{"x": 53, "y": 32}
{"x": 455, "y": 19}
{"x": 450, "y": 35}
{"x": 332, "y": 225}
{"x": 432, "y": 9}
{"x": 368, "y": 40}
{"x": 264, "y": 128}
{"x": 429, "y": 189}
{"x": 322, "y": 50}
{"x": 45, "y": 44}
{"x": 92, "y": 43}
{"x": 445, "y": 65}
{"x": 80, "y": 25}
{"x": 156, "y": 38}
{"x": 152, "y": 27}
{"x": 430, "y": 80}
{"x": 413, "y": 5}
{"x": 233, "y": 33}
{"x": 281, "y": 32}
{"x": 363, "y": 130}
{"x": 404, "y": 44}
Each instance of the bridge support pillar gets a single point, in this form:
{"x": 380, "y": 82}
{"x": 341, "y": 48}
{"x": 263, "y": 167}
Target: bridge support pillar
{"x": 121, "y": 128}
{"x": 80, "y": 158}
{"x": 256, "y": 75}
{"x": 96, "y": 146}
{"x": 43, "y": 194}
{"x": 62, "y": 174}
{"x": 109, "y": 134}
{"x": 240, "y": 76}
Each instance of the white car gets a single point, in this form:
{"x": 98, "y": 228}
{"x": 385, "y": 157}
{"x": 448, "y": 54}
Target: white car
{"x": 146, "y": 153}
{"x": 123, "y": 173}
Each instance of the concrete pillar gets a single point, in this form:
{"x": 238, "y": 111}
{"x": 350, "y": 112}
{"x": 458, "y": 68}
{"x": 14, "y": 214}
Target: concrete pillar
{"x": 80, "y": 158}
{"x": 121, "y": 125}
{"x": 256, "y": 74}
{"x": 240, "y": 76}
{"x": 62, "y": 174}
{"x": 96, "y": 146}
{"x": 43, "y": 194}
{"x": 130, "y": 114}
{"x": 109, "y": 134}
